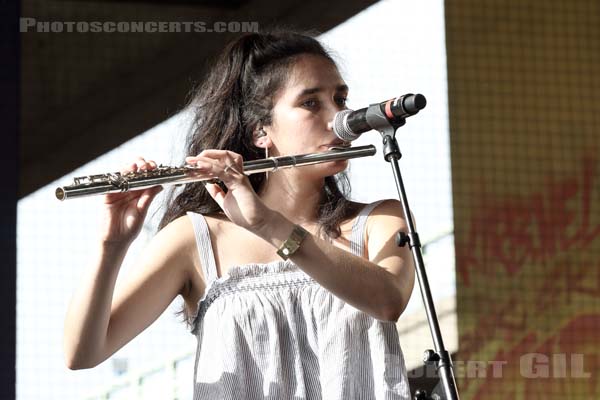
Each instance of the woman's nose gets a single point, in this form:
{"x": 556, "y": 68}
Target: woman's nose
{"x": 331, "y": 112}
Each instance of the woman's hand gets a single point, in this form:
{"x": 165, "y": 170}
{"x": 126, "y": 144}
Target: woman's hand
{"x": 124, "y": 213}
{"x": 241, "y": 204}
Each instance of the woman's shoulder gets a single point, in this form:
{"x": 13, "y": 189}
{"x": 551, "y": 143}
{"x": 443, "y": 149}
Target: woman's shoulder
{"x": 384, "y": 211}
{"x": 390, "y": 207}
{"x": 214, "y": 217}
{"x": 217, "y": 221}
{"x": 355, "y": 208}
{"x": 179, "y": 231}
{"x": 376, "y": 207}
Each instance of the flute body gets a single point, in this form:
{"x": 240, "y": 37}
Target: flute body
{"x": 114, "y": 182}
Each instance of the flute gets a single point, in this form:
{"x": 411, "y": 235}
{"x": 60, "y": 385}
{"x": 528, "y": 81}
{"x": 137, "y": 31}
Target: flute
{"x": 114, "y": 182}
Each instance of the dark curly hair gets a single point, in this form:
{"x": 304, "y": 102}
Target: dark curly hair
{"x": 236, "y": 97}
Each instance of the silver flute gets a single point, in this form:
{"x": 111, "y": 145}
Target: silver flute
{"x": 114, "y": 182}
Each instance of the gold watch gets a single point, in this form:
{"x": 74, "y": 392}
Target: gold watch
{"x": 292, "y": 243}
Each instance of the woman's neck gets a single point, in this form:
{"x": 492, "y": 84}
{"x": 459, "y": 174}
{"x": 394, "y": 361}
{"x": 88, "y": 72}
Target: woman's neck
{"x": 295, "y": 197}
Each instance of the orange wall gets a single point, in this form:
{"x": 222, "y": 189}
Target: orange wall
{"x": 524, "y": 99}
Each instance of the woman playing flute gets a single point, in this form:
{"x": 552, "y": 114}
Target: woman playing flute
{"x": 291, "y": 289}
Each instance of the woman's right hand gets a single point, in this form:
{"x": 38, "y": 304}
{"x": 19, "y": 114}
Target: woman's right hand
{"x": 124, "y": 213}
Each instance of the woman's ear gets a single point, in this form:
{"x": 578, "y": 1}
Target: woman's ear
{"x": 260, "y": 138}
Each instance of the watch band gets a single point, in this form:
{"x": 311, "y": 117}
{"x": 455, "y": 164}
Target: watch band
{"x": 292, "y": 243}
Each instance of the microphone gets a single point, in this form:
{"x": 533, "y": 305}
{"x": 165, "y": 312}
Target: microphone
{"x": 348, "y": 125}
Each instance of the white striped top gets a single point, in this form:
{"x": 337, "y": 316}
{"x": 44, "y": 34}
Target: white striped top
{"x": 269, "y": 331}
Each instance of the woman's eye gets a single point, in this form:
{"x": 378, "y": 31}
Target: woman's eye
{"x": 310, "y": 103}
{"x": 341, "y": 100}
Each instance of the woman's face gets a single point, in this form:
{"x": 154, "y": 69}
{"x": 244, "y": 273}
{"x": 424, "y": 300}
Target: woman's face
{"x": 303, "y": 109}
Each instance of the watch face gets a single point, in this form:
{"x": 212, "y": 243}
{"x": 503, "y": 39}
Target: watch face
{"x": 292, "y": 243}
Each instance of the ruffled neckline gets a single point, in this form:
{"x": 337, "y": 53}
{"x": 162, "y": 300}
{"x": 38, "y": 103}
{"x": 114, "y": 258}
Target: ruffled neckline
{"x": 241, "y": 271}
{"x": 251, "y": 269}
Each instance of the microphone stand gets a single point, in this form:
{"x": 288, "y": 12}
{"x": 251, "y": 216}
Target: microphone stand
{"x": 440, "y": 357}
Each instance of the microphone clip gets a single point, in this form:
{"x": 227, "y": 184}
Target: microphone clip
{"x": 380, "y": 122}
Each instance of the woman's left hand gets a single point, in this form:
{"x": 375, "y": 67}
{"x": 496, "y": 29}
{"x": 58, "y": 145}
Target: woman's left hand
{"x": 241, "y": 204}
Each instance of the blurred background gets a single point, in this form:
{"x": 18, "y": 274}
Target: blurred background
{"x": 501, "y": 169}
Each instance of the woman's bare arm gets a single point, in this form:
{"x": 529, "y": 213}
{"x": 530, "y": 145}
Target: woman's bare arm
{"x": 99, "y": 321}
{"x": 380, "y": 285}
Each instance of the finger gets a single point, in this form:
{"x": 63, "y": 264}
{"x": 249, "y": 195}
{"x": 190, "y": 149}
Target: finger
{"x": 203, "y": 162}
{"x": 142, "y": 163}
{"x": 209, "y": 167}
{"x": 146, "y": 198}
{"x": 223, "y": 155}
{"x": 212, "y": 154}
{"x": 228, "y": 168}
{"x": 230, "y": 163}
{"x": 131, "y": 167}
{"x": 236, "y": 159}
{"x": 230, "y": 174}
{"x": 216, "y": 193}
{"x": 204, "y": 168}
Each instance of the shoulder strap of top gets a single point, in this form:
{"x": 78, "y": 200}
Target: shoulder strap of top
{"x": 357, "y": 242}
{"x": 205, "y": 251}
